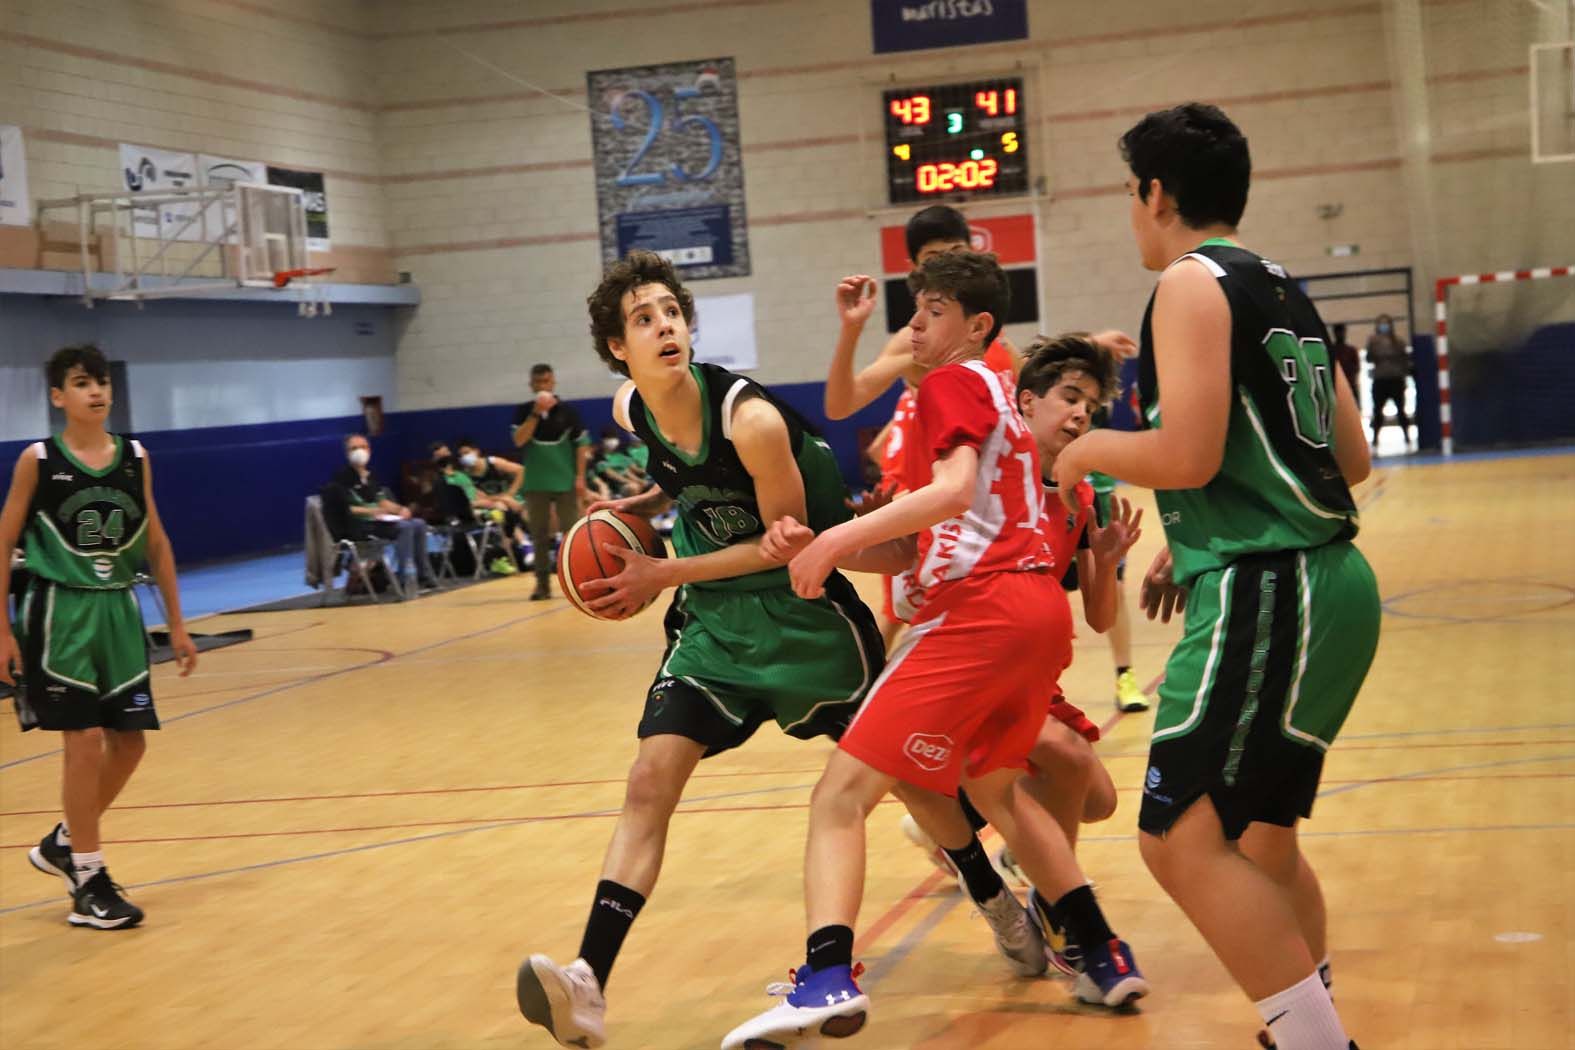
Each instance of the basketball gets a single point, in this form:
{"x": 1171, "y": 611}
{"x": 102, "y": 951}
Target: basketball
{"x": 582, "y": 557}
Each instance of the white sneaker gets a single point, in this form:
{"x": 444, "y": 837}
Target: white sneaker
{"x": 1017, "y": 936}
{"x": 827, "y": 1004}
{"x": 565, "y": 1000}
{"x": 932, "y": 852}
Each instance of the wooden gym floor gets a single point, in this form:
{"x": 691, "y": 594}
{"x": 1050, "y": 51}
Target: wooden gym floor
{"x": 352, "y": 829}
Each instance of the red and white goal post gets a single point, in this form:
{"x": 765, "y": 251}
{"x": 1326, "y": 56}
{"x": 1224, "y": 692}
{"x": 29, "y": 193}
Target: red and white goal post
{"x": 1441, "y": 316}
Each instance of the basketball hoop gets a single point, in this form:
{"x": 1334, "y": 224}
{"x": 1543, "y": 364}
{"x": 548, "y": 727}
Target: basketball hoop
{"x": 314, "y": 298}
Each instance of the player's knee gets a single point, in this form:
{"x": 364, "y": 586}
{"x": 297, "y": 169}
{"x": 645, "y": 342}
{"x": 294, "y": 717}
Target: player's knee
{"x": 1100, "y": 802}
{"x": 128, "y": 743}
{"x": 651, "y": 789}
{"x": 83, "y": 745}
{"x": 1159, "y": 857}
{"x": 838, "y": 798}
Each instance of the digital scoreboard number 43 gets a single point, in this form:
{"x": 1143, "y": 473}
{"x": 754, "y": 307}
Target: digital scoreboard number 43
{"x": 956, "y": 139}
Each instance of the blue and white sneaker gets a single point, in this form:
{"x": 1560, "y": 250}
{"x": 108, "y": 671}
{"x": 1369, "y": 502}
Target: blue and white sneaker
{"x": 826, "y": 1004}
{"x": 1110, "y": 975}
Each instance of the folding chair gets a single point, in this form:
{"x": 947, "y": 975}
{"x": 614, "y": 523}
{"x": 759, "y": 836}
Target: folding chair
{"x": 350, "y": 554}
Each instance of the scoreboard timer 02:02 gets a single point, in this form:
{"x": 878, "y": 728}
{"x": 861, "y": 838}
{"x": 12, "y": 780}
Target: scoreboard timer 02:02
{"x": 956, "y": 139}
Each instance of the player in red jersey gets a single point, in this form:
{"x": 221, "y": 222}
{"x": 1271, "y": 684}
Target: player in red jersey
{"x": 957, "y": 703}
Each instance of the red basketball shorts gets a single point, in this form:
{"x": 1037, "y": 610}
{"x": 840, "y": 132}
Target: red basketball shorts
{"x": 968, "y": 690}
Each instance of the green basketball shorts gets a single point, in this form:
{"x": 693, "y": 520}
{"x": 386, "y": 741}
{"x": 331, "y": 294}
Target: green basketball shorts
{"x": 1273, "y": 652}
{"x": 84, "y": 660}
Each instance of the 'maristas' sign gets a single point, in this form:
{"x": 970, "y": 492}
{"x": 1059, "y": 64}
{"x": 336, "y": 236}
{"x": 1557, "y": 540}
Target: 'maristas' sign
{"x": 913, "y": 25}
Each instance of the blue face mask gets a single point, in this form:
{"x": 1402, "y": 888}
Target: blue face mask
{"x": 1383, "y": 329}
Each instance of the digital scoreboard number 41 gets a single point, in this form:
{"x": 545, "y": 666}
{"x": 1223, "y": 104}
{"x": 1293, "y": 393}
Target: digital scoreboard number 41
{"x": 956, "y": 139}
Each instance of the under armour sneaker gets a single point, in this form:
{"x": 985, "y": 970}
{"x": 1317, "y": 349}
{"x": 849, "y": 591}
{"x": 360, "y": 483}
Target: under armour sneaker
{"x": 1017, "y": 936}
{"x": 565, "y": 1000}
{"x": 1110, "y": 975}
{"x": 98, "y": 903}
{"x": 51, "y": 858}
{"x": 1061, "y": 950}
{"x": 932, "y": 852}
{"x": 828, "y": 1003}
{"x": 1129, "y": 695}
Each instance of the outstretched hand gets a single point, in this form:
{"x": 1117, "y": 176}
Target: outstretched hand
{"x": 856, "y": 299}
{"x": 1111, "y": 543}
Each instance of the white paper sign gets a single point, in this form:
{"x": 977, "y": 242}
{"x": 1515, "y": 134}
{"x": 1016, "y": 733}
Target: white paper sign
{"x": 222, "y": 172}
{"x": 16, "y": 209}
{"x": 724, "y": 331}
{"x": 143, "y": 168}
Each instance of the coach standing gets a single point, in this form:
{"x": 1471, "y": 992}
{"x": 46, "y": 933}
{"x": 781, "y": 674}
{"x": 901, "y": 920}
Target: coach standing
{"x": 554, "y": 450}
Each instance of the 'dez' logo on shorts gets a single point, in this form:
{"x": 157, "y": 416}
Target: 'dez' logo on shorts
{"x": 930, "y": 751}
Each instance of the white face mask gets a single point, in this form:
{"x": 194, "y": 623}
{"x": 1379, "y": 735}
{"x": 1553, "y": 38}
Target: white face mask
{"x": 610, "y": 444}
{"x": 359, "y": 457}
{"x": 468, "y": 460}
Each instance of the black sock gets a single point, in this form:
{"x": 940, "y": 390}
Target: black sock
{"x": 612, "y": 913}
{"x": 829, "y": 946}
{"x": 1078, "y": 913}
{"x": 978, "y": 874}
{"x": 1122, "y": 669}
{"x": 975, "y": 818}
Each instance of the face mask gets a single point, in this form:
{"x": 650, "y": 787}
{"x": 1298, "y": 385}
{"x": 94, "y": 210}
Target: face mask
{"x": 468, "y": 460}
{"x": 610, "y": 444}
{"x": 1384, "y": 329}
{"x": 359, "y": 457}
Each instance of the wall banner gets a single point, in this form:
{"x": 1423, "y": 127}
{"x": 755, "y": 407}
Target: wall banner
{"x": 669, "y": 171}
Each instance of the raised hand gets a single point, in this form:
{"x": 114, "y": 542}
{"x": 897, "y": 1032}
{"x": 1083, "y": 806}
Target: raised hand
{"x": 856, "y": 299}
{"x": 1111, "y": 543}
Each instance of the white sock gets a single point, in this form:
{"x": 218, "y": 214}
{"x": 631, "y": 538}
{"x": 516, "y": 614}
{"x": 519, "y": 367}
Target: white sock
{"x": 1302, "y": 1017}
{"x": 63, "y": 835}
{"x": 87, "y": 865}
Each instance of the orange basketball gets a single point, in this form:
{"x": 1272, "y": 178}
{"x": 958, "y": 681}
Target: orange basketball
{"x": 582, "y": 556}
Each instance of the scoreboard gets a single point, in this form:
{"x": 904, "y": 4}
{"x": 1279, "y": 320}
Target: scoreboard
{"x": 956, "y": 139}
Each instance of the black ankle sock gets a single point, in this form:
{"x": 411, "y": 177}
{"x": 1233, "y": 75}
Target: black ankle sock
{"x": 612, "y": 913}
{"x": 978, "y": 874}
{"x": 1122, "y": 669}
{"x": 975, "y": 818}
{"x": 829, "y": 946}
{"x": 1078, "y": 913}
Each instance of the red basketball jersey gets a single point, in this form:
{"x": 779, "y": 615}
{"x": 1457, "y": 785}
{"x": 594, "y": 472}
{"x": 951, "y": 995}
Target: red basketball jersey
{"x": 893, "y": 461}
{"x": 1001, "y": 531}
{"x": 1064, "y": 529}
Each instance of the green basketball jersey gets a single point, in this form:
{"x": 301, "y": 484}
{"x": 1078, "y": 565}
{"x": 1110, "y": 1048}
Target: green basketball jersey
{"x": 1279, "y": 486}
{"x": 714, "y": 492}
{"x": 87, "y": 528}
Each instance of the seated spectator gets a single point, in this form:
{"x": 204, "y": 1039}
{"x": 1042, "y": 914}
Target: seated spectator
{"x": 613, "y": 473}
{"x": 482, "y": 506}
{"x": 493, "y": 476}
{"x": 373, "y": 512}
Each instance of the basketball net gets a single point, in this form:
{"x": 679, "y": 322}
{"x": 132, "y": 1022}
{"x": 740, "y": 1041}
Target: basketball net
{"x": 313, "y": 296}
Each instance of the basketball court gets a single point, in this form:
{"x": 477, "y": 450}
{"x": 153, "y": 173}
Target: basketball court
{"x": 354, "y": 827}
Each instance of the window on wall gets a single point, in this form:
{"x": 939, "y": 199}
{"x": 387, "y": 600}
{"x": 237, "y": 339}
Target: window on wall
{"x": 119, "y": 410}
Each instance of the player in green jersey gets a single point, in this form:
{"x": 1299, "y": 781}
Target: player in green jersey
{"x": 1251, "y": 441}
{"x": 82, "y": 503}
{"x": 742, "y": 649}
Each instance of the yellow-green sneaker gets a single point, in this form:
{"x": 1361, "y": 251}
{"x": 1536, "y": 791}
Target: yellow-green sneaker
{"x": 503, "y": 567}
{"x": 1129, "y": 696}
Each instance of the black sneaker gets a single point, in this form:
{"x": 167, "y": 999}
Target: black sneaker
{"x": 543, "y": 591}
{"x": 98, "y": 903}
{"x": 51, "y": 858}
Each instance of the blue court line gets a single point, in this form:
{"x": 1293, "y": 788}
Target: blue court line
{"x": 312, "y": 680}
{"x": 429, "y": 837}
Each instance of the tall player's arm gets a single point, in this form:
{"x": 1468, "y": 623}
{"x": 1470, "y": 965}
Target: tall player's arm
{"x": 847, "y": 392}
{"x": 161, "y": 559}
{"x": 1350, "y": 439}
{"x": 24, "y": 481}
{"x": 1191, "y": 329}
